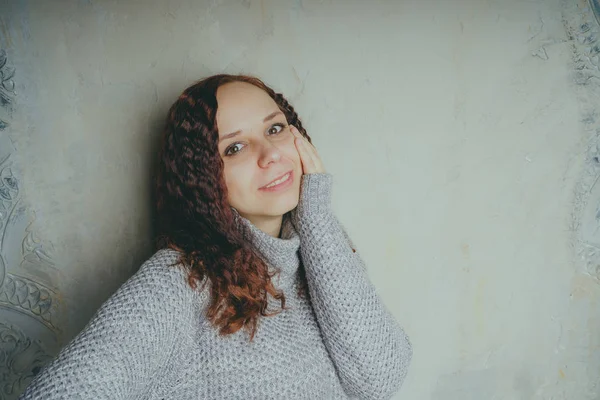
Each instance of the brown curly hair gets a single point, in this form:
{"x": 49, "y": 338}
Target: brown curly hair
{"x": 194, "y": 216}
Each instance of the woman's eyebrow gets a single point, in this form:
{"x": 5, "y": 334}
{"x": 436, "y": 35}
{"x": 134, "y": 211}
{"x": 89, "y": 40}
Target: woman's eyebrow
{"x": 229, "y": 136}
{"x": 233, "y": 134}
{"x": 272, "y": 115}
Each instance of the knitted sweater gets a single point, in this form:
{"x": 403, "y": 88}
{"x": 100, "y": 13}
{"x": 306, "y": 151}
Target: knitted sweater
{"x": 151, "y": 340}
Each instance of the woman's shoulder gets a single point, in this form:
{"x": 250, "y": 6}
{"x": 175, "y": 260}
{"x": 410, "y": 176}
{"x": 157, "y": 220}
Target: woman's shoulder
{"x": 164, "y": 262}
{"x": 165, "y": 276}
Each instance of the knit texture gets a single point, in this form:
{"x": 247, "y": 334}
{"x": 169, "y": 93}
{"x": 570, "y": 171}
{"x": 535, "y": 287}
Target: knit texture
{"x": 151, "y": 339}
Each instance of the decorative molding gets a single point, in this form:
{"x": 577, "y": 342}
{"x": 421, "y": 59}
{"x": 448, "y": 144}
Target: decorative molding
{"x": 31, "y": 298}
{"x": 34, "y": 306}
{"x": 9, "y": 192}
{"x": 7, "y": 87}
{"x": 33, "y": 251}
{"x": 20, "y": 360}
{"x": 583, "y": 37}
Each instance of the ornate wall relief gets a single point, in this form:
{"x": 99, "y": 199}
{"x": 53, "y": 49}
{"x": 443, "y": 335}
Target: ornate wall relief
{"x": 30, "y": 317}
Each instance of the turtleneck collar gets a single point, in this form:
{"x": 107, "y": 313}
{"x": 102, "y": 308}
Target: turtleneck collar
{"x": 281, "y": 253}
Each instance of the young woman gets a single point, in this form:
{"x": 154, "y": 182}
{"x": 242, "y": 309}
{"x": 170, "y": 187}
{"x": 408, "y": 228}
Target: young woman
{"x": 256, "y": 292}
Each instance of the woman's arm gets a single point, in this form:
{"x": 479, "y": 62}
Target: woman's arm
{"x": 369, "y": 348}
{"x": 128, "y": 339}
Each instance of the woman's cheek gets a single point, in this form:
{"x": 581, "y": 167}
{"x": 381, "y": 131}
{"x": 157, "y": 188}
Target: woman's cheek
{"x": 292, "y": 155}
{"x": 290, "y": 148}
{"x": 233, "y": 177}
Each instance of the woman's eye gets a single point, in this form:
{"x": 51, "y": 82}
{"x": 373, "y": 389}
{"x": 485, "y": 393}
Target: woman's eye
{"x": 237, "y": 147}
{"x": 233, "y": 149}
{"x": 275, "y": 129}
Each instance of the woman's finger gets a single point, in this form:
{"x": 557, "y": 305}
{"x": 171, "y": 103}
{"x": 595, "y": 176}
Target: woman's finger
{"x": 298, "y": 134}
{"x": 308, "y": 166}
{"x": 308, "y": 152}
{"x": 305, "y": 152}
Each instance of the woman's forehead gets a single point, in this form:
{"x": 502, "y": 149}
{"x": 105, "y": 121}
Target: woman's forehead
{"x": 242, "y": 105}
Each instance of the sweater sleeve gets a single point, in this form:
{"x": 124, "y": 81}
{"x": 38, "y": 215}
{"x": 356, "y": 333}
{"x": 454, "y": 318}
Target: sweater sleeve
{"x": 127, "y": 340}
{"x": 370, "y": 350}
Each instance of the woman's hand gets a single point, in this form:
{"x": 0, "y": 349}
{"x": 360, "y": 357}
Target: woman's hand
{"x": 311, "y": 162}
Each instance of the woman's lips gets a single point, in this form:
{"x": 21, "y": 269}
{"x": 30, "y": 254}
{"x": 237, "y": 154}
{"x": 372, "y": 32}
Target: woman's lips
{"x": 281, "y": 185}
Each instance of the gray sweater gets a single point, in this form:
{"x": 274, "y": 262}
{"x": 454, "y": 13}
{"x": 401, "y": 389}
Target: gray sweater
{"x": 150, "y": 340}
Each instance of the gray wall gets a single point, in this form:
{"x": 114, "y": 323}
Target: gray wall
{"x": 463, "y": 137}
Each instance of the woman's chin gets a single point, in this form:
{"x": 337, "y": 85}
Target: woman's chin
{"x": 281, "y": 207}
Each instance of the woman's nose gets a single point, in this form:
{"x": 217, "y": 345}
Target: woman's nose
{"x": 269, "y": 154}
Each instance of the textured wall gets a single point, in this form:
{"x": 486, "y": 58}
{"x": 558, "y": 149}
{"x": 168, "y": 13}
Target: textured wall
{"x": 463, "y": 137}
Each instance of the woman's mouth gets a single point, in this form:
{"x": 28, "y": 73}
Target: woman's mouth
{"x": 280, "y": 183}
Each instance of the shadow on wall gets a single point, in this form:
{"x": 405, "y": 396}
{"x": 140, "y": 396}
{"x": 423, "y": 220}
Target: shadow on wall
{"x": 595, "y": 4}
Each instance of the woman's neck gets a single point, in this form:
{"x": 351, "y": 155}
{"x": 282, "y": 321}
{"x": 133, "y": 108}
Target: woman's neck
{"x": 269, "y": 225}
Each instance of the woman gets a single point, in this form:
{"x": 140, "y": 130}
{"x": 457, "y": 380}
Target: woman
{"x": 256, "y": 292}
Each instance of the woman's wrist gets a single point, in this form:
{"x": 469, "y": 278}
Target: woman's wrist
{"x": 315, "y": 195}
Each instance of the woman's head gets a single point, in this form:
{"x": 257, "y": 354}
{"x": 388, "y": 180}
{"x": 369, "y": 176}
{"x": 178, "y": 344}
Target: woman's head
{"x": 262, "y": 167}
{"x": 203, "y": 171}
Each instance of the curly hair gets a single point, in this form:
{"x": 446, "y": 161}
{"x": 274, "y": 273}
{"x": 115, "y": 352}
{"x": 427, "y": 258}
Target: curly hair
{"x": 195, "y": 218}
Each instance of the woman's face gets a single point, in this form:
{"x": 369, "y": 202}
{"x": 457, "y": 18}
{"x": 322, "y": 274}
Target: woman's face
{"x": 262, "y": 166}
